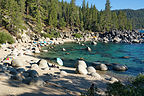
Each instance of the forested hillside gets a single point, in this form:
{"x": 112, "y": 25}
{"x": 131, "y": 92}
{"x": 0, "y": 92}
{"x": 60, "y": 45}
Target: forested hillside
{"x": 43, "y": 14}
{"x": 137, "y": 17}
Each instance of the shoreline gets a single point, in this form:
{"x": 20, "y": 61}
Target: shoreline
{"x": 25, "y": 50}
{"x": 54, "y": 73}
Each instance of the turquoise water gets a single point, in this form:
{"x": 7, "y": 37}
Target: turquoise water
{"x": 106, "y": 53}
{"x": 142, "y": 31}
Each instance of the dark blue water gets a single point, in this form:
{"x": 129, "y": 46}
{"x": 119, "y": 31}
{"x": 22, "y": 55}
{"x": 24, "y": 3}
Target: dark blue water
{"x": 106, "y": 53}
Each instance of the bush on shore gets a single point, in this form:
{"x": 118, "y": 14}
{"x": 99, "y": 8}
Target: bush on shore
{"x": 6, "y": 37}
{"x": 50, "y": 34}
{"x": 77, "y": 35}
{"x": 134, "y": 88}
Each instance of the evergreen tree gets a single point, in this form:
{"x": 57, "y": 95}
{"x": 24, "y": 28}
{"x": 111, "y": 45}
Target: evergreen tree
{"x": 72, "y": 13}
{"x": 53, "y": 14}
{"x": 38, "y": 18}
{"x": 13, "y": 19}
{"x": 83, "y": 15}
{"x": 94, "y": 23}
{"x": 62, "y": 23}
{"x": 61, "y": 14}
{"x": 114, "y": 21}
{"x": 101, "y": 21}
{"x": 107, "y": 16}
{"x": 122, "y": 20}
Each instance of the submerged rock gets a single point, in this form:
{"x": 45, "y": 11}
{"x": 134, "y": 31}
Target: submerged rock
{"x": 120, "y": 67}
{"x": 89, "y": 49}
{"x": 63, "y": 49}
{"x": 101, "y": 67}
{"x": 94, "y": 43}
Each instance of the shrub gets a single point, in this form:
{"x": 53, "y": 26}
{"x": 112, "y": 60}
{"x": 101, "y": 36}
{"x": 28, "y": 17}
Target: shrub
{"x": 135, "y": 88}
{"x": 6, "y": 37}
{"x": 92, "y": 91}
{"x": 77, "y": 35}
{"x": 52, "y": 34}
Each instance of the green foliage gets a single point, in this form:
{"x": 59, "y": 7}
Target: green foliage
{"x": 62, "y": 23}
{"x": 135, "y": 88}
{"x": 55, "y": 13}
{"x": 52, "y": 34}
{"x": 107, "y": 17}
{"x": 6, "y": 37}
{"x": 136, "y": 17}
{"x": 77, "y": 35}
{"x": 92, "y": 91}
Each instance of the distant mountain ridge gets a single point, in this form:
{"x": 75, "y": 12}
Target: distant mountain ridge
{"x": 136, "y": 16}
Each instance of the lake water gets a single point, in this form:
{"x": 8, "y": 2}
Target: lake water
{"x": 106, "y": 53}
{"x": 142, "y": 31}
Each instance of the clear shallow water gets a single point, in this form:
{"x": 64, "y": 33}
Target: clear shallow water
{"x": 142, "y": 31}
{"x": 107, "y": 53}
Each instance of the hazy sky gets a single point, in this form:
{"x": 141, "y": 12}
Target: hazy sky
{"x": 116, "y": 4}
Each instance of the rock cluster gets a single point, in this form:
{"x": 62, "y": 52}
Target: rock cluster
{"x": 81, "y": 68}
{"x": 122, "y": 37}
{"x": 105, "y": 67}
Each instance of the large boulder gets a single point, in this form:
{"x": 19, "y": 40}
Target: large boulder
{"x": 17, "y": 63}
{"x": 91, "y": 69}
{"x": 120, "y": 67}
{"x": 81, "y": 62}
{"x": 96, "y": 75}
{"x": 81, "y": 70}
{"x": 34, "y": 67}
{"x": 101, "y": 67}
{"x": 43, "y": 64}
{"x": 32, "y": 73}
{"x": 34, "y": 81}
{"x": 37, "y": 82}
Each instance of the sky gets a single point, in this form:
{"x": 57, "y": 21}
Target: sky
{"x": 116, "y": 4}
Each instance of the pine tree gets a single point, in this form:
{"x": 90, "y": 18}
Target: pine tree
{"x": 122, "y": 20}
{"x": 53, "y": 14}
{"x": 38, "y": 18}
{"x": 107, "y": 16}
{"x": 94, "y": 23}
{"x": 114, "y": 21}
{"x": 83, "y": 12}
{"x": 14, "y": 19}
{"x": 72, "y": 13}
{"x": 87, "y": 18}
{"x": 101, "y": 21}
{"x": 62, "y": 23}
